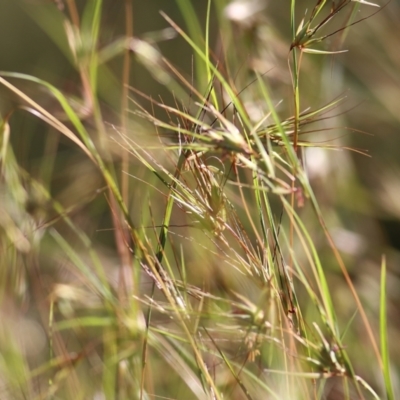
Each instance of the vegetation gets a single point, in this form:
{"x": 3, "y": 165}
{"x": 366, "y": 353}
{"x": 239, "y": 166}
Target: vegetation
{"x": 175, "y": 229}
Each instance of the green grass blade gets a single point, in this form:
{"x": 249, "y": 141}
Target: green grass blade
{"x": 227, "y": 87}
{"x": 63, "y": 102}
{"x": 196, "y": 34}
{"x": 383, "y": 323}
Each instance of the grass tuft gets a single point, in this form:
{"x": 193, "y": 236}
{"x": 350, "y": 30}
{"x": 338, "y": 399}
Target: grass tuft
{"x": 175, "y": 246}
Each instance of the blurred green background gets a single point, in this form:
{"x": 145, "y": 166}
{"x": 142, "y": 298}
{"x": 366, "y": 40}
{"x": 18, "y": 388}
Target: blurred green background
{"x": 359, "y": 193}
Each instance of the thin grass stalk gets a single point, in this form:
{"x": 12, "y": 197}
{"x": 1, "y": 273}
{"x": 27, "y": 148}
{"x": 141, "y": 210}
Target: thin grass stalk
{"x": 214, "y": 70}
{"x": 122, "y": 232}
{"x": 296, "y": 102}
{"x": 126, "y": 69}
{"x": 196, "y": 33}
{"x": 384, "y": 335}
{"x": 210, "y": 77}
{"x": 73, "y": 12}
{"x": 159, "y": 255}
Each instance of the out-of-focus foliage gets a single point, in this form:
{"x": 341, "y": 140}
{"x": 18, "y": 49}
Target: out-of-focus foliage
{"x": 193, "y": 205}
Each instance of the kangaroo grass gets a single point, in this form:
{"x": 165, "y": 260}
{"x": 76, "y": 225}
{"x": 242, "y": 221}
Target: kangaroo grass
{"x": 240, "y": 303}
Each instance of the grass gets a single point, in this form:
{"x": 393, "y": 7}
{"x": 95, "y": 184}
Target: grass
{"x": 188, "y": 255}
